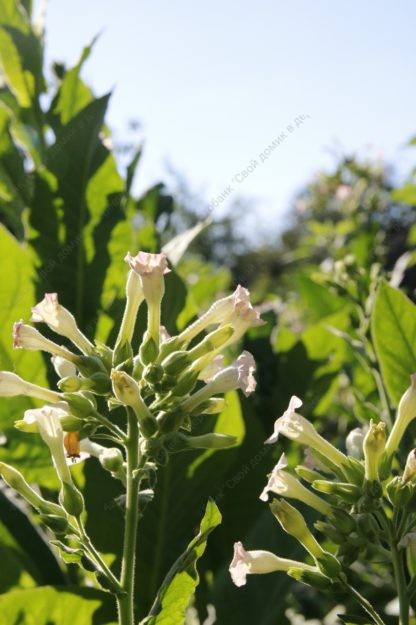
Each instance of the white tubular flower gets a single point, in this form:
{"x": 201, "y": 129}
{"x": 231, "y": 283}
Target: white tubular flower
{"x": 354, "y": 443}
{"x": 248, "y": 562}
{"x": 238, "y": 375}
{"x": 406, "y": 412}
{"x": 61, "y": 321}
{"x": 286, "y": 485}
{"x": 211, "y": 370}
{"x": 63, "y": 367}
{"x": 236, "y": 309}
{"x": 151, "y": 269}
{"x": 50, "y": 429}
{"x": 26, "y": 337}
{"x": 134, "y": 297}
{"x": 12, "y": 385}
{"x": 294, "y": 426}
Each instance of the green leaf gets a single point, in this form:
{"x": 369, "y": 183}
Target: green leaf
{"x": 27, "y": 452}
{"x": 181, "y": 581}
{"x": 47, "y": 605}
{"x": 73, "y": 94}
{"x": 393, "y": 327}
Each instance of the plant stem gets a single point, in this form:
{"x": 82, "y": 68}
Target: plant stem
{"x": 126, "y": 601}
{"x": 401, "y": 585}
{"x": 364, "y": 604}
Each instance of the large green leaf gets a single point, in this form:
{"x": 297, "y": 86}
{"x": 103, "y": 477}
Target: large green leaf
{"x": 49, "y": 606}
{"x": 181, "y": 581}
{"x": 393, "y": 328}
{"x": 26, "y": 452}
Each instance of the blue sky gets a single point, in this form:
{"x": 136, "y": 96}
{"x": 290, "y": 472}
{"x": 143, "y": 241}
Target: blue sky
{"x": 213, "y": 83}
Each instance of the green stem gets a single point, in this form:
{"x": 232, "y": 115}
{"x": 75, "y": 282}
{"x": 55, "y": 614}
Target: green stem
{"x": 401, "y": 586}
{"x": 365, "y": 604}
{"x": 126, "y": 601}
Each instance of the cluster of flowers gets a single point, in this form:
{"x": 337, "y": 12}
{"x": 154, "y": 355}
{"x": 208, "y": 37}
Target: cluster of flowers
{"x": 165, "y": 385}
{"x": 358, "y": 488}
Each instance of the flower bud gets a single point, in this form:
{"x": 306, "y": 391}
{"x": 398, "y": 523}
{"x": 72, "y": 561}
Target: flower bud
{"x": 399, "y": 494}
{"x": 410, "y": 468}
{"x": 16, "y": 481}
{"x": 176, "y": 362}
{"x": 71, "y": 424}
{"x": 127, "y": 391}
{"x": 406, "y": 412}
{"x": 349, "y": 492}
{"x": 373, "y": 446}
{"x": 354, "y": 443}
{"x": 71, "y": 384}
{"x": 153, "y": 373}
{"x": 71, "y": 499}
{"x": 80, "y": 405}
{"x": 111, "y": 459}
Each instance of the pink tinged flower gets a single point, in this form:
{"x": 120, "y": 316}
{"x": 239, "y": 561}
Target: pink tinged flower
{"x": 294, "y": 403}
{"x": 27, "y": 337}
{"x": 281, "y": 464}
{"x": 146, "y": 264}
{"x": 295, "y": 427}
{"x": 238, "y": 375}
{"x": 286, "y": 485}
{"x": 61, "y": 321}
{"x": 236, "y": 309}
{"x": 258, "y": 562}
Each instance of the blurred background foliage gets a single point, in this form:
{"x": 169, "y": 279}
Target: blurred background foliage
{"x": 68, "y": 216}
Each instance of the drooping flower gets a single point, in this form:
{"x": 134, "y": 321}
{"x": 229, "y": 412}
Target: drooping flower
{"x": 61, "y": 321}
{"x": 12, "y": 385}
{"x": 258, "y": 562}
{"x": 294, "y": 426}
{"x": 283, "y": 483}
{"x": 49, "y": 425}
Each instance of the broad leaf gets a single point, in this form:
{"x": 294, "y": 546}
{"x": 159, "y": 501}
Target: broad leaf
{"x": 47, "y": 605}
{"x": 181, "y": 581}
{"x": 393, "y": 328}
